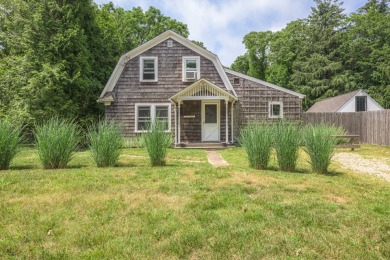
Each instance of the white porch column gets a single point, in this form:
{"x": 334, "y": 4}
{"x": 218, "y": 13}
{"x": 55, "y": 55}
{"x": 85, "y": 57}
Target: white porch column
{"x": 175, "y": 107}
{"x": 179, "y": 132}
{"x": 227, "y": 120}
{"x": 231, "y": 122}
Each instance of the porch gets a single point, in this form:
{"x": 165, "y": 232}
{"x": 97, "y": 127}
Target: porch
{"x": 203, "y": 114}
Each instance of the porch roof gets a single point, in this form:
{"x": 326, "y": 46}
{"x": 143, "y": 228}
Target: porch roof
{"x": 203, "y": 90}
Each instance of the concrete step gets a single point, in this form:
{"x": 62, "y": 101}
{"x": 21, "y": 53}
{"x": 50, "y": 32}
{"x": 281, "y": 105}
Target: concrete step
{"x": 203, "y": 145}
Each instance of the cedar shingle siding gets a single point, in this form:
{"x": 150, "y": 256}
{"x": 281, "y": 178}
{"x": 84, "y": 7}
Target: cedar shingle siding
{"x": 129, "y": 90}
{"x": 124, "y": 90}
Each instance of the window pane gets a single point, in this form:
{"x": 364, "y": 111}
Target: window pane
{"x": 190, "y": 64}
{"x": 143, "y": 125}
{"x": 210, "y": 113}
{"x": 149, "y": 64}
{"x": 161, "y": 111}
{"x": 148, "y": 70}
{"x": 275, "y": 109}
{"x": 361, "y": 104}
{"x": 144, "y": 111}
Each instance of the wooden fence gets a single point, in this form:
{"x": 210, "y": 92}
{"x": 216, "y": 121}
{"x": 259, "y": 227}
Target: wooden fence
{"x": 373, "y": 126}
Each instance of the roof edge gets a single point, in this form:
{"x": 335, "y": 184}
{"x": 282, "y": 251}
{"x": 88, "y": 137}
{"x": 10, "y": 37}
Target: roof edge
{"x": 264, "y": 83}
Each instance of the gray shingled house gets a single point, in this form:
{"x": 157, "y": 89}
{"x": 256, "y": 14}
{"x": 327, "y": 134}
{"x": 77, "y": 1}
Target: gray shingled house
{"x": 355, "y": 101}
{"x": 170, "y": 78}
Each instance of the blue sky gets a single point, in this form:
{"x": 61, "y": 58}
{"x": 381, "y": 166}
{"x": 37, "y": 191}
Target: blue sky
{"x": 222, "y": 24}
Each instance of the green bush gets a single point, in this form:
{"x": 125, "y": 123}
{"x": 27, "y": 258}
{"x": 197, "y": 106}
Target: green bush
{"x": 106, "y": 142}
{"x": 157, "y": 141}
{"x": 10, "y": 138}
{"x": 287, "y": 140}
{"x": 319, "y": 145}
{"x": 56, "y": 141}
{"x": 256, "y": 139}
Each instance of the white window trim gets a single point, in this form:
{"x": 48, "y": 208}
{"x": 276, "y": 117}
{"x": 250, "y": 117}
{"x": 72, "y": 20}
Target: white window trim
{"x": 185, "y": 58}
{"x": 152, "y": 114}
{"x": 270, "y": 110}
{"x": 141, "y": 68}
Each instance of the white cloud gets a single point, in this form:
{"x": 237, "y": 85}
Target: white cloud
{"x": 222, "y": 25}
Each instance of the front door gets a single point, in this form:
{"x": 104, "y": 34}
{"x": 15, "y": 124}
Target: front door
{"x": 210, "y": 121}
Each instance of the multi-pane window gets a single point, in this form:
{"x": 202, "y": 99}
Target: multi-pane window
{"x": 148, "y": 70}
{"x": 147, "y": 114}
{"x": 275, "y": 109}
{"x": 191, "y": 68}
{"x": 361, "y": 103}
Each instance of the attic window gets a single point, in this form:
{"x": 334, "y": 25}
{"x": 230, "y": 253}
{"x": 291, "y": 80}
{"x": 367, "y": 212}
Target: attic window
{"x": 191, "y": 68}
{"x": 170, "y": 43}
{"x": 148, "y": 69}
{"x": 361, "y": 103}
{"x": 236, "y": 81}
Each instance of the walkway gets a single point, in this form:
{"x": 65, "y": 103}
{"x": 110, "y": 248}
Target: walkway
{"x": 215, "y": 159}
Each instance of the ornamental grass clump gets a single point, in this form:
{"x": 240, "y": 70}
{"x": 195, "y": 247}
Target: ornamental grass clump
{"x": 56, "y": 140}
{"x": 287, "y": 140}
{"x": 319, "y": 145}
{"x": 10, "y": 138}
{"x": 105, "y": 142}
{"x": 256, "y": 139}
{"x": 157, "y": 141}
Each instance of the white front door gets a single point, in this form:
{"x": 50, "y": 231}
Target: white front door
{"x": 210, "y": 121}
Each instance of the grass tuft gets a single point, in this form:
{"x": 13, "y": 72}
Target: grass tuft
{"x": 256, "y": 138}
{"x": 106, "y": 142}
{"x": 10, "y": 138}
{"x": 287, "y": 140}
{"x": 56, "y": 141}
{"x": 157, "y": 141}
{"x": 320, "y": 146}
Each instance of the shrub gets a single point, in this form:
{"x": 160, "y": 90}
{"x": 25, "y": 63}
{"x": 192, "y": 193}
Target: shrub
{"x": 10, "y": 138}
{"x": 56, "y": 141}
{"x": 319, "y": 145}
{"x": 157, "y": 142}
{"x": 106, "y": 142}
{"x": 287, "y": 141}
{"x": 256, "y": 139}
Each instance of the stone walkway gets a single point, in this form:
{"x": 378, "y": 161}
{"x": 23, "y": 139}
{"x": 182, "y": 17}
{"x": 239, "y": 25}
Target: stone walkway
{"x": 215, "y": 159}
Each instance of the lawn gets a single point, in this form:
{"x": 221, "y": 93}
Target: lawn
{"x": 189, "y": 209}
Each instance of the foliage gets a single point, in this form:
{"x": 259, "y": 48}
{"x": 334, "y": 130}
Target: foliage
{"x": 319, "y": 145}
{"x": 287, "y": 139}
{"x": 326, "y": 54}
{"x": 256, "y": 138}
{"x": 157, "y": 141}
{"x": 10, "y": 138}
{"x": 56, "y": 141}
{"x": 106, "y": 142}
{"x": 63, "y": 52}
{"x": 134, "y": 142}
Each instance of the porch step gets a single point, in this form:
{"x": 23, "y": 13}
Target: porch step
{"x": 204, "y": 146}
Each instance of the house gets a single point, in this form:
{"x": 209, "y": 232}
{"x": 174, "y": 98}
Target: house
{"x": 355, "y": 101}
{"x": 170, "y": 78}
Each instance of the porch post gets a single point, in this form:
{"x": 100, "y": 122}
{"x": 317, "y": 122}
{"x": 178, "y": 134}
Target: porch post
{"x": 175, "y": 123}
{"x": 227, "y": 120}
{"x": 231, "y": 122}
{"x": 179, "y": 132}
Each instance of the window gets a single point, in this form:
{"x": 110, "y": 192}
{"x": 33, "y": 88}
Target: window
{"x": 191, "y": 68}
{"x": 361, "y": 103}
{"x": 275, "y": 109}
{"x": 169, "y": 43}
{"x": 236, "y": 81}
{"x": 146, "y": 114}
{"x": 148, "y": 69}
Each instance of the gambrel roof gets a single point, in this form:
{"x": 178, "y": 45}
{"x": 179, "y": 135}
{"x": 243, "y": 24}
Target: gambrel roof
{"x": 150, "y": 44}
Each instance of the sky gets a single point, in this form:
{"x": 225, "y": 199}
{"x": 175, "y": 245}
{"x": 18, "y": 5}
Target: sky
{"x": 222, "y": 24}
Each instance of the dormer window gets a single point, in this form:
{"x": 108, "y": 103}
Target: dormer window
{"x": 148, "y": 69}
{"x": 191, "y": 68}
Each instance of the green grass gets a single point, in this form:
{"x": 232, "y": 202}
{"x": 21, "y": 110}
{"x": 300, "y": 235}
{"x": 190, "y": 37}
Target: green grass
{"x": 188, "y": 209}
